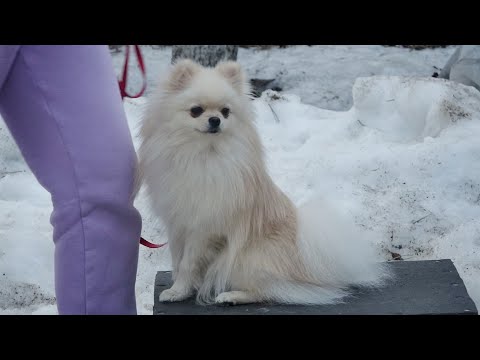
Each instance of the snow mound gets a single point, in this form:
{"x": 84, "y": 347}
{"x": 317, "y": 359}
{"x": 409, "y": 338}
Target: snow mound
{"x": 411, "y": 109}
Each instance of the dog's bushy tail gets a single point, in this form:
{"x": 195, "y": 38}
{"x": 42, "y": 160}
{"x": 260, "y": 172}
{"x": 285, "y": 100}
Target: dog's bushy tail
{"x": 338, "y": 254}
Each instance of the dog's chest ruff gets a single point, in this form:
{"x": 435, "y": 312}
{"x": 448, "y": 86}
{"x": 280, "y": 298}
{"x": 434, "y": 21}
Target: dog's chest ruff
{"x": 206, "y": 190}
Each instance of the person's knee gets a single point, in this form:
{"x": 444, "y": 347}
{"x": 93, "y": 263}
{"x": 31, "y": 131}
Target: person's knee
{"x": 108, "y": 192}
{"x": 99, "y": 193}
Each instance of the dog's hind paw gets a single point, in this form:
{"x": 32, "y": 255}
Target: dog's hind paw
{"x": 172, "y": 295}
{"x": 235, "y": 298}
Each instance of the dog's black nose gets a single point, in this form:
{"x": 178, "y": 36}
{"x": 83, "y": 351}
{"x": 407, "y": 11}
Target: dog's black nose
{"x": 214, "y": 121}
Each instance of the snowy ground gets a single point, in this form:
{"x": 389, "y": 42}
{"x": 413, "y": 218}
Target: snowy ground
{"x": 403, "y": 162}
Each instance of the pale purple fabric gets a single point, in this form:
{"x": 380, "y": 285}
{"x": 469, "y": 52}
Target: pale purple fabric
{"x": 63, "y": 107}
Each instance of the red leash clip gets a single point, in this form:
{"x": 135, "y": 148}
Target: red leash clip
{"x": 123, "y": 82}
{"x": 150, "y": 245}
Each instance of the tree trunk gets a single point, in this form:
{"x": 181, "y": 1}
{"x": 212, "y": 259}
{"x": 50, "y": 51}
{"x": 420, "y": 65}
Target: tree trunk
{"x": 206, "y": 55}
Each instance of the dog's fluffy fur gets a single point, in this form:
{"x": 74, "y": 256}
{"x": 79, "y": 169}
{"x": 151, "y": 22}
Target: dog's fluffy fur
{"x": 234, "y": 236}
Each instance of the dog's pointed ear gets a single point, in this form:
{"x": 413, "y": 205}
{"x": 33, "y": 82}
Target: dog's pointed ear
{"x": 182, "y": 74}
{"x": 234, "y": 73}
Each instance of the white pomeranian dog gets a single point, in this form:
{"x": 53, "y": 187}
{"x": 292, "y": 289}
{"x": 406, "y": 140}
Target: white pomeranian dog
{"x": 233, "y": 235}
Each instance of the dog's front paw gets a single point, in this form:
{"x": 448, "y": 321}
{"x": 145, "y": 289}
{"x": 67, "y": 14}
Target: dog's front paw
{"x": 234, "y": 298}
{"x": 173, "y": 295}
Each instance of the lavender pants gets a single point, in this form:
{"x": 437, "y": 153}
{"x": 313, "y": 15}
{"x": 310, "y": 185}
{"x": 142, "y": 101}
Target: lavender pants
{"x": 62, "y": 106}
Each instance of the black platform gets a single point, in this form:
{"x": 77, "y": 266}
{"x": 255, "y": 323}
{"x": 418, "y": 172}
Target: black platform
{"x": 419, "y": 288}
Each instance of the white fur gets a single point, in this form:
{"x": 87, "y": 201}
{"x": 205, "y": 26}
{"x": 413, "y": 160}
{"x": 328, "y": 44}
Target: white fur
{"x": 234, "y": 236}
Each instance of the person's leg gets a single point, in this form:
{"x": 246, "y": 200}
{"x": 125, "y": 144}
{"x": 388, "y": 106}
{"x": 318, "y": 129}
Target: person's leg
{"x": 63, "y": 107}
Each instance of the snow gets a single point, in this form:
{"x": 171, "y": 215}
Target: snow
{"x": 321, "y": 75}
{"x": 366, "y": 126}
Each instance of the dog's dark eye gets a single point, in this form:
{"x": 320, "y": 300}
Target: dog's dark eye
{"x": 196, "y": 111}
{"x": 225, "y": 112}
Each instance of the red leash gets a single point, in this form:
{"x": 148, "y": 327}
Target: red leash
{"x": 123, "y": 91}
{"x": 150, "y": 245}
{"x": 123, "y": 82}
